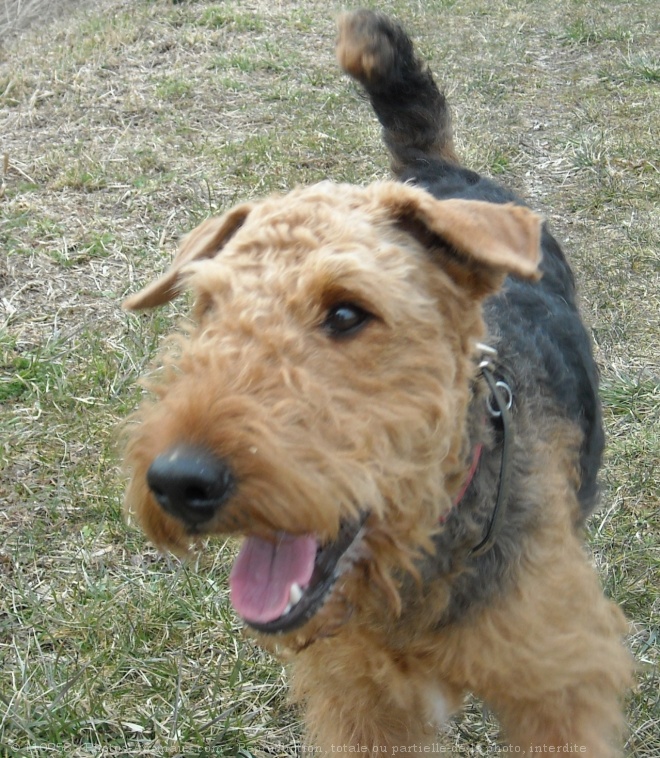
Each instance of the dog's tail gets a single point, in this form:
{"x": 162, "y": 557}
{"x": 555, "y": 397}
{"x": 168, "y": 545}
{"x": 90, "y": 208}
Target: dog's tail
{"x": 414, "y": 114}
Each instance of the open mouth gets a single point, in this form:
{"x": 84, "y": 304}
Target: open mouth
{"x": 278, "y": 585}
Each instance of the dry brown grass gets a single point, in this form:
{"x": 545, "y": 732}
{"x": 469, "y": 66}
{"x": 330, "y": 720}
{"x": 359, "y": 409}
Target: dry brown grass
{"x": 18, "y": 15}
{"x": 124, "y": 124}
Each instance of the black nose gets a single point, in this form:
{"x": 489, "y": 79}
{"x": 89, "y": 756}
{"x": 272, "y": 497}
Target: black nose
{"x": 190, "y": 483}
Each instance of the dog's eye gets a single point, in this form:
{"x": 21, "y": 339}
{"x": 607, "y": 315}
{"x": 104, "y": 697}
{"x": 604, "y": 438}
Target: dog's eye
{"x": 345, "y": 319}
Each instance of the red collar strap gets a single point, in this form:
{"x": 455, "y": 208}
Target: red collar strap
{"x": 476, "y": 456}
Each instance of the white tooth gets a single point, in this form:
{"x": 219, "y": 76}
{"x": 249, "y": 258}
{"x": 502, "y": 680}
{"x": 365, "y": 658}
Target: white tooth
{"x": 287, "y": 609}
{"x": 295, "y": 593}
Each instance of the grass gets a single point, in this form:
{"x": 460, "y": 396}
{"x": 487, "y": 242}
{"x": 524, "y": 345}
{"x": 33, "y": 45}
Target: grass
{"x": 123, "y": 125}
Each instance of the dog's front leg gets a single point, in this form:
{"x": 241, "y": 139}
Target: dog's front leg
{"x": 361, "y": 698}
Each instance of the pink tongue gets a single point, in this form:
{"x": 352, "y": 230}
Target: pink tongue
{"x": 264, "y": 572}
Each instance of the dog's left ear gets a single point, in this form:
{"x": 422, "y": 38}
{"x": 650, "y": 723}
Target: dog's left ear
{"x": 205, "y": 241}
{"x": 476, "y": 243}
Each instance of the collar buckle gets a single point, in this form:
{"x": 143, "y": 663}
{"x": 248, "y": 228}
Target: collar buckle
{"x": 499, "y": 405}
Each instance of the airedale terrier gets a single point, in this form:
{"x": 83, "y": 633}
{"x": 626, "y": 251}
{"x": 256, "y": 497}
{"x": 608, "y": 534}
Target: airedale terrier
{"x": 388, "y": 392}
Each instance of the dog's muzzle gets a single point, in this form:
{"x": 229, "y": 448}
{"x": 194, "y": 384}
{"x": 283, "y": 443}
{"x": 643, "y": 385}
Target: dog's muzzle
{"x": 190, "y": 483}
{"x": 278, "y": 582}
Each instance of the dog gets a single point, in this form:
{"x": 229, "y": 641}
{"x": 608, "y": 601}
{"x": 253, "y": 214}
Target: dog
{"x": 388, "y": 392}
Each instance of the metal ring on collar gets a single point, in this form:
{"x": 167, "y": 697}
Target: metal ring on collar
{"x": 507, "y": 398}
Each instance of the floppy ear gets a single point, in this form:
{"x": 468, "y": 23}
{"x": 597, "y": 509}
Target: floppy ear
{"x": 203, "y": 242}
{"x": 476, "y": 243}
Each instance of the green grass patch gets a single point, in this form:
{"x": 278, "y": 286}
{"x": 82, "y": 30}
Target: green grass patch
{"x": 35, "y": 374}
{"x": 224, "y": 16}
{"x": 645, "y": 67}
{"x": 174, "y": 88}
{"x": 638, "y": 399}
{"x": 583, "y": 32}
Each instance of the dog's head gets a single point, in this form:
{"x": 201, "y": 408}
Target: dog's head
{"x": 316, "y": 402}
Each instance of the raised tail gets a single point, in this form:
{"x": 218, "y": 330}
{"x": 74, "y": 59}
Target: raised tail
{"x": 413, "y": 112}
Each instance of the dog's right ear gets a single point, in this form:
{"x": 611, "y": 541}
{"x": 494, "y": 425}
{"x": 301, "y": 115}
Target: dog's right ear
{"x": 205, "y": 241}
{"x": 476, "y": 243}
